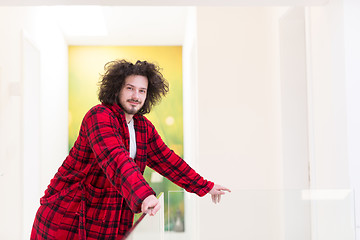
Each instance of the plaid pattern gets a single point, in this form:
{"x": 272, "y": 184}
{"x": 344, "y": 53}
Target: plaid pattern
{"x": 98, "y": 188}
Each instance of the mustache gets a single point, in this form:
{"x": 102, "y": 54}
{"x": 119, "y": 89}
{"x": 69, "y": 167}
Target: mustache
{"x": 133, "y": 100}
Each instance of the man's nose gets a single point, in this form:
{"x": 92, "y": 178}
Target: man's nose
{"x": 136, "y": 94}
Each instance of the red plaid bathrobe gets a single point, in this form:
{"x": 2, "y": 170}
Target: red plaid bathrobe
{"x": 98, "y": 188}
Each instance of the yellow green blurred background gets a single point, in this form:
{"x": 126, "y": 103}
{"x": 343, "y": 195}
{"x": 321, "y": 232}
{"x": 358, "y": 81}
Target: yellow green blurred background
{"x": 86, "y": 64}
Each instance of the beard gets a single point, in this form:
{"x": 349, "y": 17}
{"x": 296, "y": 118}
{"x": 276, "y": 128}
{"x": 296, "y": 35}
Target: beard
{"x": 130, "y": 109}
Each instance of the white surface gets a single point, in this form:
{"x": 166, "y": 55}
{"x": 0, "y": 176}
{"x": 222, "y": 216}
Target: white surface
{"x": 239, "y": 112}
{"x": 124, "y": 25}
{"x": 190, "y": 115}
{"x": 260, "y": 209}
{"x": 167, "y": 3}
{"x": 31, "y": 129}
{"x": 328, "y": 89}
{"x": 294, "y": 112}
{"x": 352, "y": 60}
{"x": 295, "y": 137}
{"x": 53, "y": 112}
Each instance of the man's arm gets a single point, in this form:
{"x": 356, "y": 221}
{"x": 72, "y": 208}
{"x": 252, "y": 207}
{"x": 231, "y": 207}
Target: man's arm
{"x": 101, "y": 129}
{"x": 170, "y": 165}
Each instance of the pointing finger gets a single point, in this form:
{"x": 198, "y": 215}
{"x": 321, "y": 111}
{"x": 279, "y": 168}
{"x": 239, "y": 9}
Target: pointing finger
{"x": 224, "y": 189}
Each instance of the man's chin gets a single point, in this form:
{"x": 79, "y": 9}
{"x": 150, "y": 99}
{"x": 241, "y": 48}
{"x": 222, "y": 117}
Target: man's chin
{"x": 131, "y": 111}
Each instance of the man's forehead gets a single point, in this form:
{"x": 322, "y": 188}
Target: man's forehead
{"x": 136, "y": 81}
{"x": 132, "y": 85}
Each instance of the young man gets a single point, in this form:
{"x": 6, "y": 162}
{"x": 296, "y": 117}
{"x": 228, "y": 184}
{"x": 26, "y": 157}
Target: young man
{"x": 100, "y": 185}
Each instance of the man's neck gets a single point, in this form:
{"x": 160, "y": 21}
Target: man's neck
{"x": 128, "y": 117}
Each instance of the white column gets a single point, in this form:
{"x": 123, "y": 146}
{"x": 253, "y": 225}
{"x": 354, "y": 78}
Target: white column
{"x": 30, "y": 133}
{"x": 352, "y": 68}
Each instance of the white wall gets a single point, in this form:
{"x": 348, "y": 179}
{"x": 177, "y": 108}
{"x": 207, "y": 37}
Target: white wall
{"x": 327, "y": 59}
{"x": 239, "y": 120}
{"x": 333, "y": 219}
{"x": 54, "y": 92}
{"x": 16, "y": 221}
{"x": 240, "y": 143}
{"x": 10, "y": 124}
{"x": 294, "y": 99}
{"x": 238, "y": 97}
{"x": 294, "y": 120}
{"x": 352, "y": 61}
{"x": 31, "y": 129}
{"x": 190, "y": 118}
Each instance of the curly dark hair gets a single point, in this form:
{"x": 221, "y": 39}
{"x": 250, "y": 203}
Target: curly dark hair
{"x": 113, "y": 80}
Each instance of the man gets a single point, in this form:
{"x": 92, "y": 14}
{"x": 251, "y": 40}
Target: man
{"x": 100, "y": 185}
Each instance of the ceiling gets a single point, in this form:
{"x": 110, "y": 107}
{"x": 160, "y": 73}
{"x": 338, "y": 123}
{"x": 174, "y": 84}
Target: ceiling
{"x": 167, "y": 2}
{"x": 124, "y": 25}
{"x": 133, "y": 22}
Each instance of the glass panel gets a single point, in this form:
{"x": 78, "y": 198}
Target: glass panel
{"x": 149, "y": 227}
{"x": 265, "y": 214}
{"x": 176, "y": 220}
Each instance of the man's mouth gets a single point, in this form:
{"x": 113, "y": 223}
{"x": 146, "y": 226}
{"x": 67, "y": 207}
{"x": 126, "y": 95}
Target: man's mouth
{"x": 134, "y": 102}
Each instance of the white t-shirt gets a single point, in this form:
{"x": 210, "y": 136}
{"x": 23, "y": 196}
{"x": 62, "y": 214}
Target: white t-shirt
{"x": 132, "y": 147}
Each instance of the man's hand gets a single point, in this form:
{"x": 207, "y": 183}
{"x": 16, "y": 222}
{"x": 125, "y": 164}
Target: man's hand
{"x": 216, "y": 192}
{"x": 150, "y": 205}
